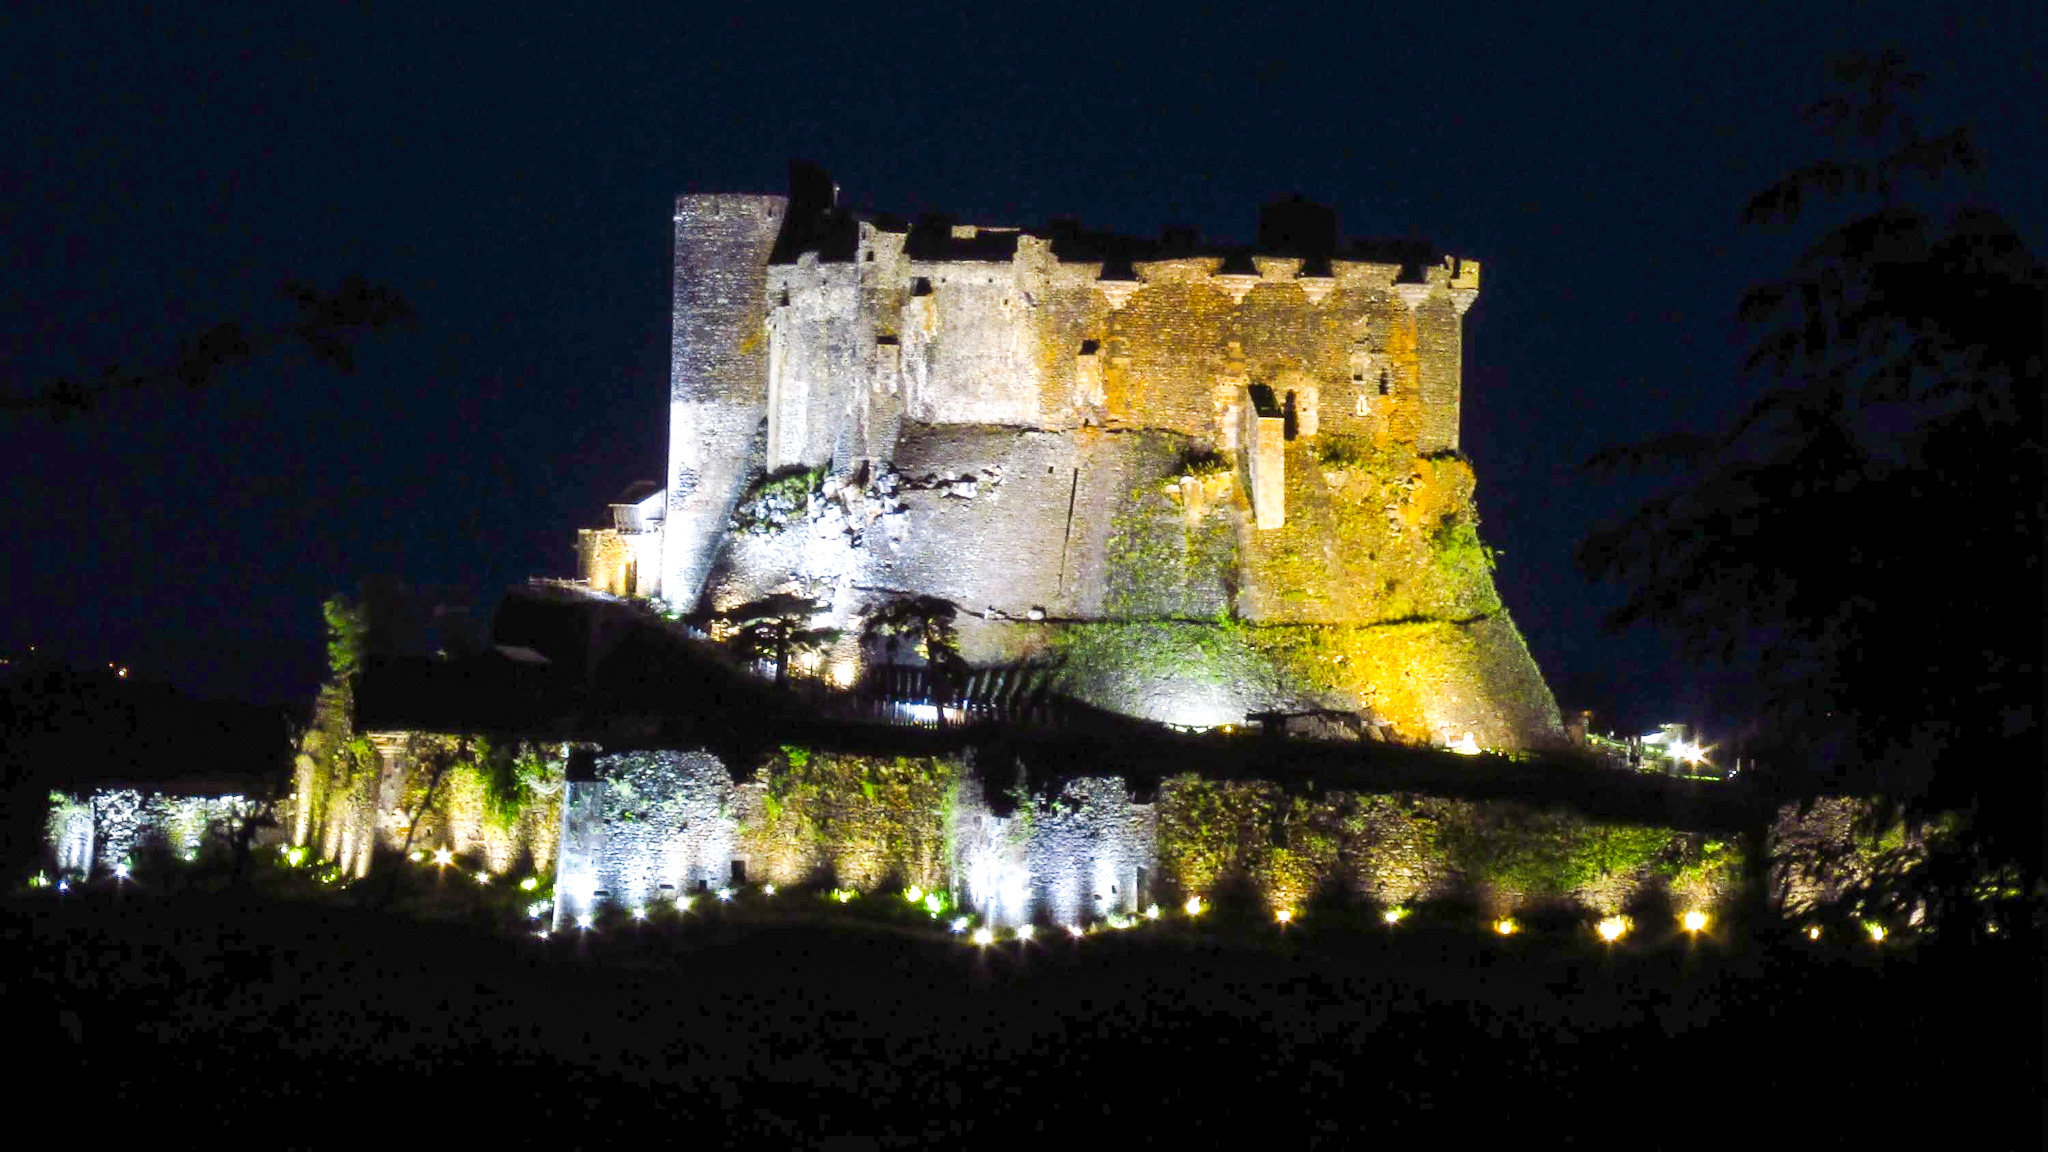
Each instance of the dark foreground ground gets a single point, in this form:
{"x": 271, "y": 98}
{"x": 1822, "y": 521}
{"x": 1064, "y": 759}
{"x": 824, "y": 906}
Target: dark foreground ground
{"x": 201, "y": 1018}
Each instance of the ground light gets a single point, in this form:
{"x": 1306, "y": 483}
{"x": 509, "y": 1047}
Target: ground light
{"x": 1693, "y": 921}
{"x": 416, "y": 856}
{"x": 984, "y": 937}
{"x": 1394, "y": 915}
{"x": 1876, "y": 931}
{"x": 529, "y": 884}
{"x": 584, "y": 921}
{"x": 639, "y": 913}
{"x": 1813, "y": 932}
{"x": 444, "y": 856}
{"x": 683, "y": 903}
{"x": 914, "y": 894}
{"x": 1194, "y": 906}
{"x": 1285, "y": 916}
{"x": 1152, "y": 912}
{"x": 1024, "y": 932}
{"x": 1611, "y": 929}
{"x": 725, "y": 894}
{"x": 483, "y": 877}
{"x": 767, "y": 889}
{"x": 958, "y": 925}
{"x": 1506, "y": 926}
{"x": 1076, "y": 931}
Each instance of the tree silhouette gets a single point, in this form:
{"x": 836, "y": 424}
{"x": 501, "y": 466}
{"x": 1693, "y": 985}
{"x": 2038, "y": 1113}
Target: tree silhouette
{"x": 1860, "y": 548}
{"x": 326, "y": 325}
{"x": 777, "y": 629}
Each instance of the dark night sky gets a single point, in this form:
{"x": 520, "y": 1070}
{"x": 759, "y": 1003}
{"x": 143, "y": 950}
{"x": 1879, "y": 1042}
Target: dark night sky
{"x": 512, "y": 174}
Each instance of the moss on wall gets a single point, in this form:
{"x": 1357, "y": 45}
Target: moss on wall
{"x": 863, "y": 822}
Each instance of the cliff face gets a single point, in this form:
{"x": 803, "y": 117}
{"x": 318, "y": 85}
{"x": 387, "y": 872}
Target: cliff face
{"x": 1220, "y": 485}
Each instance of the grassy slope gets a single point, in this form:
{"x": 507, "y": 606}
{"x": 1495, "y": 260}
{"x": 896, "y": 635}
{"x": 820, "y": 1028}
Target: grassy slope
{"x": 201, "y": 1012}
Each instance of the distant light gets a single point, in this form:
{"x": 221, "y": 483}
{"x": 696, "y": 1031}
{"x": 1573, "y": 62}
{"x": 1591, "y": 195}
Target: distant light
{"x": 843, "y": 895}
{"x": 584, "y": 921}
{"x": 1025, "y": 931}
{"x": 1506, "y": 926}
{"x": 121, "y": 870}
{"x": 444, "y": 856}
{"x": 1194, "y": 906}
{"x": 984, "y": 937}
{"x": 725, "y": 894}
{"x": 1284, "y": 915}
{"x": 529, "y": 884}
{"x": 1466, "y": 746}
{"x": 1611, "y": 929}
{"x": 1076, "y": 931}
{"x": 1394, "y": 915}
{"x": 417, "y": 856}
{"x": 1152, "y": 912}
{"x": 542, "y": 933}
{"x": 768, "y": 889}
{"x": 483, "y": 877}
{"x": 1693, "y": 921}
{"x": 640, "y": 913}
{"x": 63, "y": 885}
{"x": 1813, "y": 933}
{"x": 537, "y": 909}
{"x": 959, "y": 924}
{"x": 1876, "y": 931}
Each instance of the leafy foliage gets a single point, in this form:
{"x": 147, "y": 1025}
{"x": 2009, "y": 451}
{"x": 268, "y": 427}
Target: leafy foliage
{"x": 1860, "y": 549}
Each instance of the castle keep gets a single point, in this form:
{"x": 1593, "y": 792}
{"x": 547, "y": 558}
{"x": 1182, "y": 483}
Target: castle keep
{"x": 1202, "y": 483}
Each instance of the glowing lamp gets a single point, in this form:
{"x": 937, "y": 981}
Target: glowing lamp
{"x": 934, "y": 903}
{"x": 417, "y": 856}
{"x": 1876, "y": 931}
{"x": 444, "y": 857}
{"x": 1152, "y": 912}
{"x": 1076, "y": 931}
{"x": 121, "y": 870}
{"x": 583, "y": 922}
{"x": 914, "y": 894}
{"x": 1611, "y": 929}
{"x": 683, "y": 903}
{"x": 1394, "y": 916}
{"x": 1466, "y": 746}
{"x": 1693, "y": 921}
{"x": 1284, "y": 915}
{"x": 1506, "y": 926}
{"x": 958, "y": 925}
{"x": 1194, "y": 906}
{"x": 984, "y": 937}
{"x": 483, "y": 877}
{"x": 542, "y": 933}
{"x": 529, "y": 884}
{"x": 1813, "y": 933}
{"x": 639, "y": 913}
{"x": 1025, "y": 932}
{"x": 768, "y": 889}
{"x": 725, "y": 894}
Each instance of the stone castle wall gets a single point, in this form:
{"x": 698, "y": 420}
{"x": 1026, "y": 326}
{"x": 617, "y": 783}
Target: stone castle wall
{"x": 1236, "y": 441}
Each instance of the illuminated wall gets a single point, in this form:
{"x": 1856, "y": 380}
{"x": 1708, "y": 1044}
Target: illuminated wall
{"x": 1000, "y": 427}
{"x": 91, "y": 835}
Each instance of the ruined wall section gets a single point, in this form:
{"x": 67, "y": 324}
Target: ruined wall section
{"x": 718, "y": 372}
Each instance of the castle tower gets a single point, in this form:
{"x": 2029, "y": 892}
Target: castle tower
{"x": 718, "y": 373}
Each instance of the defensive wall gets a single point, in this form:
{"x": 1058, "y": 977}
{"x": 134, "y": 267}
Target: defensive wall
{"x": 624, "y": 830}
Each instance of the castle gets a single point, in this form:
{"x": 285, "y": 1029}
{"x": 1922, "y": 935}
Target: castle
{"x": 1187, "y": 487}
{"x": 1204, "y": 483}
